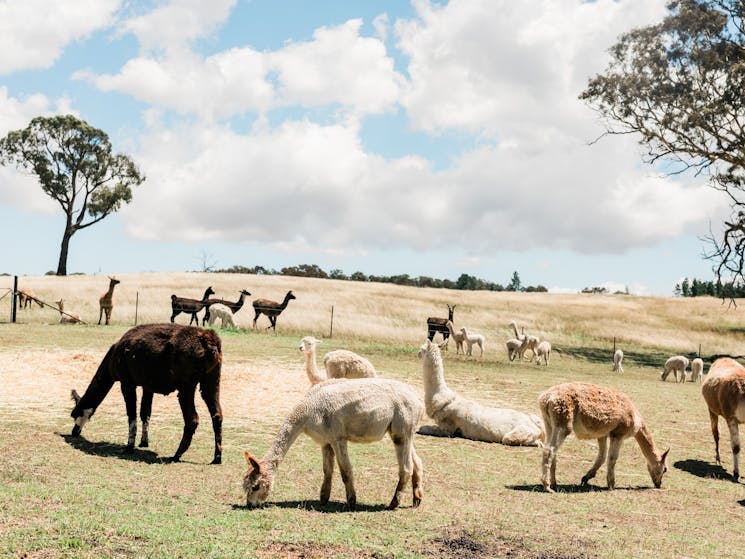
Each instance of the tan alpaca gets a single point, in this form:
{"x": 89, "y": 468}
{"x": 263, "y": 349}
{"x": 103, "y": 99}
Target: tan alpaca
{"x": 676, "y": 364}
{"x": 471, "y": 338}
{"x": 457, "y": 336}
{"x": 697, "y": 370}
{"x": 106, "y": 301}
{"x": 340, "y": 363}
{"x": 66, "y": 317}
{"x": 513, "y": 347}
{"x": 595, "y": 412}
{"x": 455, "y": 415}
{"x": 724, "y": 393}
{"x": 338, "y": 411}
{"x": 543, "y": 352}
{"x": 618, "y": 361}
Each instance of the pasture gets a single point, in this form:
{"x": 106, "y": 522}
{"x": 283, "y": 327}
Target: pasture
{"x": 65, "y": 497}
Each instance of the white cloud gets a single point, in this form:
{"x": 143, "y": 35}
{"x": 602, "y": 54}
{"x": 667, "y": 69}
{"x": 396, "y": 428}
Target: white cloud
{"x": 33, "y": 33}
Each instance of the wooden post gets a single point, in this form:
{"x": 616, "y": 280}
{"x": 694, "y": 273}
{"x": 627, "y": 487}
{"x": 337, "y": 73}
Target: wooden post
{"x": 331, "y": 330}
{"x": 699, "y": 350}
{"x": 614, "y": 345}
{"x": 15, "y": 298}
{"x": 137, "y": 305}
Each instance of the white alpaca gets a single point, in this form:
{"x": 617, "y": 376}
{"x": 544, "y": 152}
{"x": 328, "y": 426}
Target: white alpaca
{"x": 66, "y": 317}
{"x": 340, "y": 363}
{"x": 470, "y": 338}
{"x": 456, "y": 416}
{"x": 518, "y": 336}
{"x": 676, "y": 364}
{"x": 457, "y": 336}
{"x": 618, "y": 361}
{"x": 543, "y": 351}
{"x": 595, "y": 412}
{"x": 513, "y": 348}
{"x": 697, "y": 369}
{"x": 335, "y": 412}
{"x": 528, "y": 343}
{"x": 223, "y": 312}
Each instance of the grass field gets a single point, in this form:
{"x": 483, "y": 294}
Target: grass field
{"x": 65, "y": 497}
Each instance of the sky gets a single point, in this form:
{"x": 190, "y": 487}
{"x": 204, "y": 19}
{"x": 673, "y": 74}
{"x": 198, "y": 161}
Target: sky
{"x": 429, "y": 138}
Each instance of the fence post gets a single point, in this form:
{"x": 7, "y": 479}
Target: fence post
{"x": 331, "y": 330}
{"x": 137, "y": 305}
{"x": 13, "y": 304}
{"x": 614, "y": 345}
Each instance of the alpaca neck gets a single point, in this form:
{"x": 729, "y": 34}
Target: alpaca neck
{"x": 100, "y": 385}
{"x": 311, "y": 368}
{"x": 287, "y": 434}
{"x": 514, "y": 327}
{"x": 283, "y": 306}
{"x": 239, "y": 303}
{"x": 646, "y": 444}
{"x": 434, "y": 378}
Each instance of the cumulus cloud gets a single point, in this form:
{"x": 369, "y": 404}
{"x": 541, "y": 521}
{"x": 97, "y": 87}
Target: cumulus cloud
{"x": 33, "y": 33}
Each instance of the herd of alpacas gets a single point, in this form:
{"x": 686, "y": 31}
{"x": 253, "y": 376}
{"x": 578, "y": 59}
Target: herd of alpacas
{"x": 349, "y": 402}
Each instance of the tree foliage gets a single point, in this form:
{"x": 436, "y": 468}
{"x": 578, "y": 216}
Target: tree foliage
{"x": 74, "y": 165}
{"x": 679, "y": 85}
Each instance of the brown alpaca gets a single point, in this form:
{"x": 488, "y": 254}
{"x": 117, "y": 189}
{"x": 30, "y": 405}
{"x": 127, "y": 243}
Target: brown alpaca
{"x": 724, "y": 393}
{"x": 161, "y": 358}
{"x": 26, "y": 297}
{"x": 67, "y": 317}
{"x": 189, "y": 306}
{"x": 106, "y": 302}
{"x": 436, "y": 324}
{"x": 271, "y": 309}
{"x": 595, "y": 412}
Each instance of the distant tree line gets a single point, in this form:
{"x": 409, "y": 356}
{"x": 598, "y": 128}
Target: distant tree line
{"x": 464, "y": 282}
{"x": 700, "y": 288}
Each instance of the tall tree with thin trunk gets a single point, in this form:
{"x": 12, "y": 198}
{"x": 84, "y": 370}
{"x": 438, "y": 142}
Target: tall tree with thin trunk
{"x": 680, "y": 86}
{"x": 75, "y": 166}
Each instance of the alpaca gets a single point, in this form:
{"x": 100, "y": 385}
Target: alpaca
{"x": 618, "y": 361}
{"x": 340, "y": 363}
{"x": 67, "y": 317}
{"x": 595, "y": 412}
{"x": 26, "y": 297}
{"x": 161, "y": 358}
{"x": 189, "y": 306}
{"x": 233, "y": 306}
{"x": 457, "y": 416}
{"x": 435, "y": 324}
{"x": 513, "y": 347}
{"x": 528, "y": 343}
{"x": 518, "y": 336}
{"x": 105, "y": 302}
{"x": 271, "y": 309}
{"x": 223, "y": 312}
{"x": 543, "y": 351}
{"x": 724, "y": 394}
{"x": 457, "y": 336}
{"x": 697, "y": 369}
{"x": 677, "y": 363}
{"x": 335, "y": 412}
{"x": 472, "y": 338}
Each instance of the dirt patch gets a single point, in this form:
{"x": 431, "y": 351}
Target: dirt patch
{"x": 309, "y": 550}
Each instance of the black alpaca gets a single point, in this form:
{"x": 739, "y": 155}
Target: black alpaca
{"x": 271, "y": 309}
{"x": 233, "y": 306}
{"x": 161, "y": 358}
{"x": 435, "y": 324}
{"x": 189, "y": 306}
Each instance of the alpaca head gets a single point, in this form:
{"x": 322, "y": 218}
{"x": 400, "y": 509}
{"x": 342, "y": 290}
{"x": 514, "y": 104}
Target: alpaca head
{"x": 79, "y": 413}
{"x": 244, "y": 292}
{"x": 308, "y": 343}
{"x": 113, "y": 281}
{"x": 257, "y": 483}
{"x": 429, "y": 347}
{"x": 658, "y": 469}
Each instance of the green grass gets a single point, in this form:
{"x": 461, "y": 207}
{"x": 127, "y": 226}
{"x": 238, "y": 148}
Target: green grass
{"x": 61, "y": 497}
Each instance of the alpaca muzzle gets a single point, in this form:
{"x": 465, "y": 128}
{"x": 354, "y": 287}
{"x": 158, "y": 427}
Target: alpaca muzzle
{"x": 76, "y": 429}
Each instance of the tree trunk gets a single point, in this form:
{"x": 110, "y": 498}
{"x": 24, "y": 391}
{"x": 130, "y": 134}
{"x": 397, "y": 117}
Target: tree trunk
{"x": 62, "y": 265}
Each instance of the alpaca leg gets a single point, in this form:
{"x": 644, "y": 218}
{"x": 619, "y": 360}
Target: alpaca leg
{"x": 614, "y": 451}
{"x": 146, "y": 407}
{"x": 191, "y": 422}
{"x": 405, "y": 467}
{"x": 602, "y": 450}
{"x": 554, "y": 438}
{"x": 273, "y": 326}
{"x": 714, "y": 420}
{"x": 108, "y": 316}
{"x": 417, "y": 475}
{"x": 328, "y": 472}
{"x": 256, "y": 318}
{"x": 210, "y": 391}
{"x": 734, "y": 437}
{"x": 345, "y": 469}
{"x": 100, "y": 312}
{"x": 129, "y": 392}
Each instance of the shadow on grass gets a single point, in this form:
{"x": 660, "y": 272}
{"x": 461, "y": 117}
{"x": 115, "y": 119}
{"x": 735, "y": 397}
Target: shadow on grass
{"x": 576, "y": 488}
{"x": 699, "y": 468}
{"x": 331, "y": 507}
{"x": 648, "y": 358}
{"x": 114, "y": 450}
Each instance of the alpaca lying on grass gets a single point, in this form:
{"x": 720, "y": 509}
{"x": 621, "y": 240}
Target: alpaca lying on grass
{"x": 456, "y": 416}
{"x": 340, "y": 363}
{"x": 338, "y": 411}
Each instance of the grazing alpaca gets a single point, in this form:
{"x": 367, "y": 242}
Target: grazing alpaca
{"x": 677, "y": 363}
{"x": 456, "y": 416}
{"x": 340, "y": 363}
{"x": 335, "y": 412}
{"x": 595, "y": 412}
{"x": 233, "y": 306}
{"x": 189, "y": 306}
{"x": 697, "y": 369}
{"x": 724, "y": 394}
{"x": 271, "y": 309}
{"x": 618, "y": 361}
{"x": 472, "y": 338}
{"x": 105, "y": 302}
{"x": 457, "y": 336}
{"x": 543, "y": 351}
{"x": 26, "y": 297}
{"x": 67, "y": 317}
{"x": 435, "y": 324}
{"x": 223, "y": 312}
{"x": 513, "y": 348}
{"x": 161, "y": 358}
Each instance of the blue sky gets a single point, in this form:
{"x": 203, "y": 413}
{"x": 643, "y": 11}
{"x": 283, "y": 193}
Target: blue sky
{"x": 427, "y": 138}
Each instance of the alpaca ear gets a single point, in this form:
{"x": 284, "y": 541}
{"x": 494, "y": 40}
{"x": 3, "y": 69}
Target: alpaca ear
{"x": 75, "y": 396}
{"x": 664, "y": 456}
{"x": 251, "y": 461}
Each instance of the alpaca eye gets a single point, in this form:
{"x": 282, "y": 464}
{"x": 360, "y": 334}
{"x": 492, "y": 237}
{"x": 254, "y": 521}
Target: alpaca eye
{"x": 256, "y": 487}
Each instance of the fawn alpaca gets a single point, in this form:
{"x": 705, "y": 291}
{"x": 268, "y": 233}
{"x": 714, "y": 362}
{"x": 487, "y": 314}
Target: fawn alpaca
{"x": 106, "y": 301}
{"x": 595, "y": 412}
